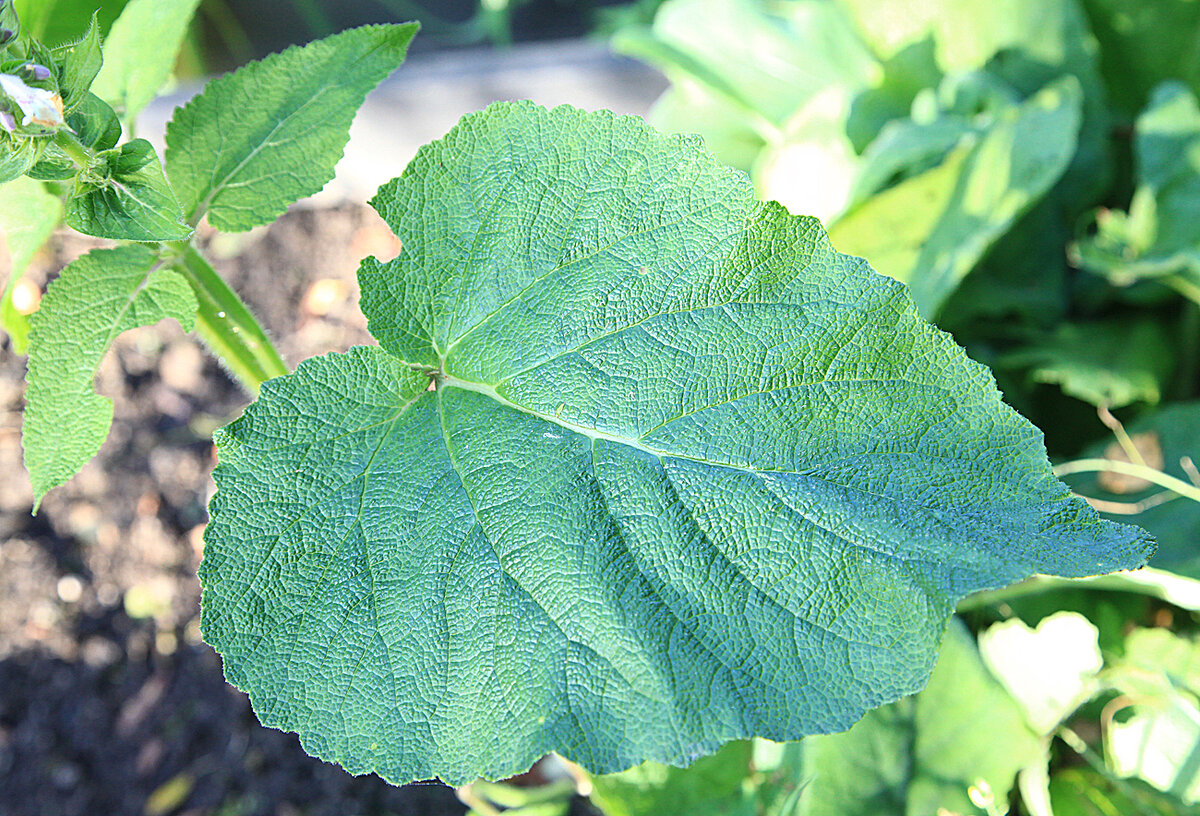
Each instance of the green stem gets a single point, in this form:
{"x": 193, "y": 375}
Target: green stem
{"x": 226, "y": 324}
{"x": 1188, "y": 491}
{"x": 69, "y": 143}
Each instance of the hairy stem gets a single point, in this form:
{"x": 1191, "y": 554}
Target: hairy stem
{"x": 226, "y": 324}
{"x": 69, "y": 143}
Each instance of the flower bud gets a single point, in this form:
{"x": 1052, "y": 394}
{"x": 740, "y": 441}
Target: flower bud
{"x": 39, "y": 73}
{"x": 8, "y": 121}
{"x": 6, "y": 35}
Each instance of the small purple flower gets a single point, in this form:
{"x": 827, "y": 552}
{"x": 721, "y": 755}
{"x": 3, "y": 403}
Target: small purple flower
{"x": 8, "y": 121}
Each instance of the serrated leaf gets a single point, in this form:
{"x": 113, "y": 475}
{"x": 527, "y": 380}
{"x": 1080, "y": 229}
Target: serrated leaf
{"x": 688, "y": 475}
{"x": 97, "y": 297}
{"x": 924, "y": 754}
{"x": 127, "y": 198}
{"x": 271, "y": 132}
{"x": 140, "y": 52}
{"x": 932, "y": 229}
{"x": 28, "y": 216}
{"x": 80, "y": 62}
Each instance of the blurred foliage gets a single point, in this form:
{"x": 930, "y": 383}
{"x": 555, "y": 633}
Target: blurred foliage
{"x": 1031, "y": 169}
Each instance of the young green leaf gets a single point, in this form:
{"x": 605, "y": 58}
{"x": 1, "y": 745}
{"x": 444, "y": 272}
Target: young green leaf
{"x": 270, "y": 133}
{"x": 28, "y": 216}
{"x": 924, "y": 754}
{"x": 127, "y": 198}
{"x": 97, "y": 297}
{"x": 687, "y": 475}
{"x": 80, "y": 62}
{"x": 140, "y": 52}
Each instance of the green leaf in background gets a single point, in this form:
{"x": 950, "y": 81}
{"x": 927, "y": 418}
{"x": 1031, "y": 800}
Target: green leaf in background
{"x": 126, "y": 198}
{"x": 1163, "y": 437}
{"x": 924, "y": 754}
{"x": 1085, "y": 792}
{"x": 1049, "y": 670}
{"x": 746, "y": 777}
{"x": 777, "y": 97}
{"x": 97, "y": 297}
{"x": 687, "y": 474}
{"x": 62, "y": 21}
{"x": 932, "y": 229}
{"x": 1113, "y": 363}
{"x": 1159, "y": 235}
{"x": 28, "y": 216}
{"x": 80, "y": 61}
{"x": 1027, "y": 43}
{"x": 718, "y": 785}
{"x": 140, "y": 52}
{"x": 271, "y": 132}
{"x": 1159, "y": 739}
{"x": 1145, "y": 43}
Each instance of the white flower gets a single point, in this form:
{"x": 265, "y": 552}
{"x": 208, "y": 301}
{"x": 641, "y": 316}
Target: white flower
{"x": 40, "y": 107}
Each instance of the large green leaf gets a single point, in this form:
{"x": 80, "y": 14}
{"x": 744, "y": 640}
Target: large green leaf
{"x": 140, "y": 52}
{"x": 28, "y": 216}
{"x": 97, "y": 297}
{"x": 686, "y": 474}
{"x": 922, "y": 755}
{"x": 932, "y": 229}
{"x": 1175, "y": 432}
{"x": 271, "y": 132}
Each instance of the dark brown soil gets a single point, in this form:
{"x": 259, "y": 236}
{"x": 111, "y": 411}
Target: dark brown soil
{"x": 109, "y": 701}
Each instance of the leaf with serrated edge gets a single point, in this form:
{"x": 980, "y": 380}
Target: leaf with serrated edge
{"x": 140, "y": 52}
{"x": 134, "y": 203}
{"x": 271, "y": 132}
{"x": 688, "y": 475}
{"x": 97, "y": 297}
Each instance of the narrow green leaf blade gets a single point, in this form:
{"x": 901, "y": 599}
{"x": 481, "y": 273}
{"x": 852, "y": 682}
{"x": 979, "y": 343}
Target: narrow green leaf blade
{"x": 28, "y": 216}
{"x": 132, "y": 201}
{"x": 688, "y": 475}
{"x": 140, "y": 52}
{"x": 270, "y": 133}
{"x": 97, "y": 297}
